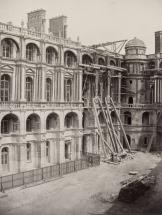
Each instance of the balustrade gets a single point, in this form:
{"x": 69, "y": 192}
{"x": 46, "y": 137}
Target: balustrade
{"x": 26, "y": 32}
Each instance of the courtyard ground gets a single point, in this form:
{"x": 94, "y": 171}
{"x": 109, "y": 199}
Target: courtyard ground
{"x": 85, "y": 192}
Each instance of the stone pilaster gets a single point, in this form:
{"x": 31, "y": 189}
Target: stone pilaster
{"x": 61, "y": 151}
{"x": 23, "y": 48}
{"x": 23, "y": 83}
{"x": 96, "y": 83}
{"x": 61, "y": 81}
{"x": 80, "y": 79}
{"x": 43, "y": 84}
{"x": 119, "y": 88}
{"x": 61, "y": 55}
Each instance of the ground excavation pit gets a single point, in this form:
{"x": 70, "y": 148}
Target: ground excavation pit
{"x": 85, "y": 192}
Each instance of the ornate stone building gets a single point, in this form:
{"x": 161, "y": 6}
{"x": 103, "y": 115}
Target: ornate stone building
{"x": 142, "y": 95}
{"x": 46, "y": 90}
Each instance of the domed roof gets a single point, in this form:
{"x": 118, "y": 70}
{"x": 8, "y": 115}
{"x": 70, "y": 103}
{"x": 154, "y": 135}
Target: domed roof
{"x": 135, "y": 42}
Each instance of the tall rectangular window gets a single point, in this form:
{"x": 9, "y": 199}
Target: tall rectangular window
{"x": 29, "y": 89}
{"x": 48, "y": 151}
{"x": 28, "y": 151}
{"x": 48, "y": 89}
{"x": 5, "y": 88}
{"x": 68, "y": 90}
{"x": 5, "y": 158}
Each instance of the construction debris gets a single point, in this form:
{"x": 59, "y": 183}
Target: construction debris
{"x": 136, "y": 187}
{"x": 133, "y": 172}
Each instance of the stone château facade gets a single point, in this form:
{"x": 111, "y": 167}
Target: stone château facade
{"x": 46, "y": 90}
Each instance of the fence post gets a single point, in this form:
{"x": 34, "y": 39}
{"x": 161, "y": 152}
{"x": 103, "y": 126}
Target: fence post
{"x": 74, "y": 167}
{"x": 51, "y": 171}
{"x": 23, "y": 179}
{"x": 12, "y": 181}
{"x": 60, "y": 169}
{"x": 42, "y": 173}
{"x": 33, "y": 175}
{"x": 2, "y": 189}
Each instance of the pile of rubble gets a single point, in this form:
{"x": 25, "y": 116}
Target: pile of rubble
{"x": 135, "y": 187}
{"x": 117, "y": 158}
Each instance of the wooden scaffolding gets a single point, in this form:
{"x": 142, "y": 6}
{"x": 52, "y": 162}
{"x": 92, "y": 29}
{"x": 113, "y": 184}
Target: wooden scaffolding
{"x": 112, "y": 146}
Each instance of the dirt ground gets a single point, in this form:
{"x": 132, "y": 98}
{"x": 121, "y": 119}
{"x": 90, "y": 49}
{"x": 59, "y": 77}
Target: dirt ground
{"x": 86, "y": 192}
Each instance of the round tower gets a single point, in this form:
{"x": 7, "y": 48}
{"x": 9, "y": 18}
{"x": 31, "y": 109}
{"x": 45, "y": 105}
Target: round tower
{"x": 135, "y": 49}
{"x": 136, "y": 94}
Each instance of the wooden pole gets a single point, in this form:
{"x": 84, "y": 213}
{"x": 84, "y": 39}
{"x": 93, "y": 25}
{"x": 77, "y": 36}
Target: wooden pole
{"x": 125, "y": 137}
{"x": 99, "y": 127}
{"x": 107, "y": 124}
{"x": 113, "y": 129}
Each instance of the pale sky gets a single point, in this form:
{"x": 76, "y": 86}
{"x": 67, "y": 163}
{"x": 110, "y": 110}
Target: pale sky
{"x": 95, "y": 21}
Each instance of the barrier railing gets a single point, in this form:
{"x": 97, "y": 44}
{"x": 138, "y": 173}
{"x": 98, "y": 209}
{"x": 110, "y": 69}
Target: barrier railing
{"x": 23, "y": 178}
{"x": 26, "y": 32}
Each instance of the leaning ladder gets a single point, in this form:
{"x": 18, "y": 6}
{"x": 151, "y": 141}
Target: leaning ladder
{"x": 104, "y": 143}
{"x": 114, "y": 133}
{"x": 114, "y": 145}
{"x": 120, "y": 122}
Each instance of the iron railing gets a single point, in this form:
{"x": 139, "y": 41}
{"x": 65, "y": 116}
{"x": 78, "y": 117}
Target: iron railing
{"x": 23, "y": 178}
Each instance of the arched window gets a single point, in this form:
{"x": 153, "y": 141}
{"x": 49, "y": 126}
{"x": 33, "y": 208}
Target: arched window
{"x": 70, "y": 59}
{"x": 32, "y": 52}
{"x": 68, "y": 90}
{"x": 5, "y": 88}
{"x": 29, "y": 89}
{"x": 9, "y": 124}
{"x": 28, "y": 151}
{"x": 52, "y": 121}
{"x": 86, "y": 59}
{"x": 101, "y": 61}
{"x": 51, "y": 55}
{"x": 71, "y": 120}
{"x": 112, "y": 63}
{"x": 145, "y": 118}
{"x": 33, "y": 123}
{"x": 48, "y": 89}
{"x": 48, "y": 151}
{"x": 10, "y": 48}
{"x": 127, "y": 118}
{"x": 5, "y": 157}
